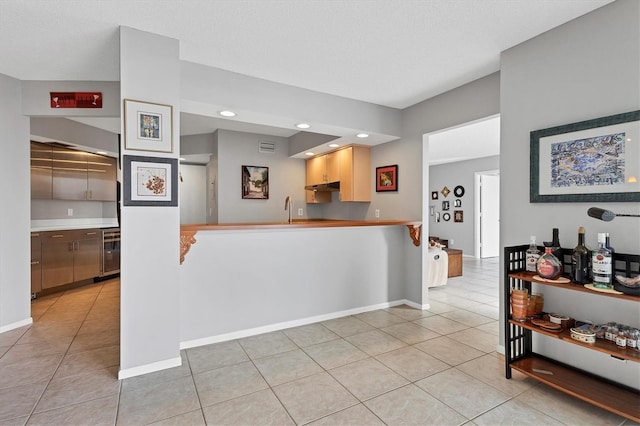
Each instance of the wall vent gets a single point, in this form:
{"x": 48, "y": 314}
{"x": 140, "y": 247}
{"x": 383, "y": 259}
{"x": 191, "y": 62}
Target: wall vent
{"x": 267, "y": 147}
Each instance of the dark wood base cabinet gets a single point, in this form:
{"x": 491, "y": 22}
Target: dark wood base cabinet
{"x": 520, "y": 354}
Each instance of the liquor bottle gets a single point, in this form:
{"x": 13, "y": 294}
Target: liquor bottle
{"x": 533, "y": 254}
{"x": 555, "y": 247}
{"x": 549, "y": 266}
{"x": 607, "y": 243}
{"x": 580, "y": 260}
{"x": 602, "y": 264}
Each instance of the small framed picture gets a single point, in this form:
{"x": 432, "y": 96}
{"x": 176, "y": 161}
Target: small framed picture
{"x": 387, "y": 178}
{"x": 150, "y": 181}
{"x": 457, "y": 203}
{"x": 432, "y": 210}
{"x": 458, "y": 216}
{"x": 438, "y": 217}
{"x": 445, "y": 205}
{"x": 434, "y": 195}
{"x": 148, "y": 126}
{"x": 255, "y": 182}
{"x": 446, "y": 217}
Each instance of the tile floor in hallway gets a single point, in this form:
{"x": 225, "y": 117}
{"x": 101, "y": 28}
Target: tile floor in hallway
{"x": 391, "y": 366}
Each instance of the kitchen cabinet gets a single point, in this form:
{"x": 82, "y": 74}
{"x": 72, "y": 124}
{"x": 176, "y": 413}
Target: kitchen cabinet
{"x": 520, "y": 352}
{"x": 351, "y": 166}
{"x": 355, "y": 173}
{"x": 60, "y": 173}
{"x": 79, "y": 175}
{"x": 41, "y": 171}
{"x": 70, "y": 256}
{"x": 36, "y": 264}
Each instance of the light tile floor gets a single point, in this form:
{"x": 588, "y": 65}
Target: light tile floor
{"x": 391, "y": 366}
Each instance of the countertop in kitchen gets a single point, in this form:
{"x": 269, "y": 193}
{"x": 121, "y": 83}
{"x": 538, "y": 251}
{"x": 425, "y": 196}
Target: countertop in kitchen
{"x": 43, "y": 225}
{"x": 297, "y": 224}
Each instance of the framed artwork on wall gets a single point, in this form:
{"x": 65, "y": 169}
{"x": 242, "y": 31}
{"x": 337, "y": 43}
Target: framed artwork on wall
{"x": 255, "y": 182}
{"x": 458, "y": 216}
{"x": 150, "y": 181}
{"x": 387, "y": 178}
{"x": 592, "y": 160}
{"x": 148, "y": 126}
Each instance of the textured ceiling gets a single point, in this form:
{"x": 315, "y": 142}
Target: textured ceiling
{"x": 388, "y": 52}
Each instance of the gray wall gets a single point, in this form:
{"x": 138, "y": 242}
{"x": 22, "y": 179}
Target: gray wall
{"x": 585, "y": 69}
{"x": 451, "y": 175}
{"x": 286, "y": 177}
{"x": 65, "y": 130}
{"x": 15, "y": 308}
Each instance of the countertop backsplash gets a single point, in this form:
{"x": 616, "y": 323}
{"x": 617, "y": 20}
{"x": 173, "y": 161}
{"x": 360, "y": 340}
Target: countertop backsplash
{"x": 73, "y": 223}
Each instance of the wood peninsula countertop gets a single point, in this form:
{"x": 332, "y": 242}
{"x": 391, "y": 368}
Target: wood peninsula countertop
{"x": 188, "y": 232}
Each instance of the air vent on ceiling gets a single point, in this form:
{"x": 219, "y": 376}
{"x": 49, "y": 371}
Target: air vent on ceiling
{"x": 267, "y": 147}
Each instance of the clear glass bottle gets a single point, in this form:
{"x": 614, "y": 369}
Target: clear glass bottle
{"x": 602, "y": 264}
{"x": 549, "y": 266}
{"x": 533, "y": 254}
{"x": 580, "y": 260}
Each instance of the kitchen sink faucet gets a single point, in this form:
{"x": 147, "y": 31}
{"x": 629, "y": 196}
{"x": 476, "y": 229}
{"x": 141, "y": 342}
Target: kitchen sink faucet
{"x": 288, "y": 205}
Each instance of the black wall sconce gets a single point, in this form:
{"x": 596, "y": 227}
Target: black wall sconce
{"x": 606, "y": 215}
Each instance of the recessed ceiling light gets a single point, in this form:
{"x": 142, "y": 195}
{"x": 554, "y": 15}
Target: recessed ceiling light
{"x": 308, "y": 153}
{"x": 362, "y": 135}
{"x": 227, "y": 113}
{"x": 333, "y": 145}
{"x": 101, "y": 152}
{"x": 302, "y": 126}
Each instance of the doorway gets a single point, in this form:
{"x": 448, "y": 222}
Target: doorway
{"x": 487, "y": 202}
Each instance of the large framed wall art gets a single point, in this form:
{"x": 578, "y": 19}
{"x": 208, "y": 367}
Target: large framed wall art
{"x": 150, "y": 181}
{"x": 593, "y": 160}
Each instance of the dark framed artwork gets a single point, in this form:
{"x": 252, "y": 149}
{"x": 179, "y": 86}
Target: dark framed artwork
{"x": 255, "y": 182}
{"x": 590, "y": 161}
{"x": 150, "y": 181}
{"x": 387, "y": 178}
{"x": 446, "y": 217}
{"x": 445, "y": 205}
{"x": 434, "y": 195}
{"x": 458, "y": 216}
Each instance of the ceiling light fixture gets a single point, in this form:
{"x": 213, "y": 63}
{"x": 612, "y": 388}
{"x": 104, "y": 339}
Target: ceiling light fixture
{"x": 362, "y": 135}
{"x": 333, "y": 145}
{"x": 227, "y": 113}
{"x": 302, "y": 126}
{"x": 309, "y": 153}
{"x": 101, "y": 152}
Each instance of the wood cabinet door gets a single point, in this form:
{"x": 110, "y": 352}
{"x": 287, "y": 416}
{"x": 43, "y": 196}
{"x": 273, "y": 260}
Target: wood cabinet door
{"x": 101, "y": 178}
{"x": 316, "y": 168}
{"x": 41, "y": 171}
{"x": 332, "y": 167}
{"x": 69, "y": 174}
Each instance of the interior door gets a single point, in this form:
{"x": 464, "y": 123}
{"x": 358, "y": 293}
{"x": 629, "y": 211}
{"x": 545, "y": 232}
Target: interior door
{"x": 489, "y": 215}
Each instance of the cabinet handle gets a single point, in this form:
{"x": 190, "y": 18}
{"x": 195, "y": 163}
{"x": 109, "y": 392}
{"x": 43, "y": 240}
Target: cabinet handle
{"x": 35, "y": 235}
{"x": 90, "y": 233}
{"x": 35, "y": 262}
{"x": 57, "y": 236}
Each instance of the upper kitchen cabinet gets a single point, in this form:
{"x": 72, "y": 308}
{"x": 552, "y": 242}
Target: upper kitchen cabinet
{"x": 41, "y": 171}
{"x": 66, "y": 174}
{"x": 350, "y": 166}
{"x": 355, "y": 173}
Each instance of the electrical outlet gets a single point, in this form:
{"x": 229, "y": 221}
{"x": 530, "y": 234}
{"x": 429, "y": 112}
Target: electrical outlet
{"x": 69, "y": 212}
{"x": 300, "y": 212}
{"x": 377, "y": 213}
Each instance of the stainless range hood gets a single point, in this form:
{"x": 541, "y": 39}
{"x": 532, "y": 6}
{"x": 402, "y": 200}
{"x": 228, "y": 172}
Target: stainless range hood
{"x": 330, "y": 186}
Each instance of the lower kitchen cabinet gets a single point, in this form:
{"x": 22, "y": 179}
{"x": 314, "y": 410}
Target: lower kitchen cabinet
{"x": 70, "y": 256}
{"x": 36, "y": 264}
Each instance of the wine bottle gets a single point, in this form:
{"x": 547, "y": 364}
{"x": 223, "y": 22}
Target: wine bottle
{"x": 555, "y": 245}
{"x": 580, "y": 260}
{"x": 532, "y": 256}
{"x": 602, "y": 264}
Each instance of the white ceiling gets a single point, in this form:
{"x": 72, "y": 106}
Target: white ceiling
{"x": 388, "y": 52}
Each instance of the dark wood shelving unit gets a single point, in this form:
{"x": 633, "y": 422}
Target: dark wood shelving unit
{"x": 521, "y": 356}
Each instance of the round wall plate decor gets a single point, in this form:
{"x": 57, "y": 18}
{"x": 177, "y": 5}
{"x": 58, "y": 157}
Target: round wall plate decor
{"x": 458, "y": 191}
{"x": 446, "y": 217}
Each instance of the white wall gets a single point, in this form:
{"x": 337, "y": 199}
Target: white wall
{"x": 585, "y": 69}
{"x": 149, "y": 272}
{"x": 15, "y": 272}
{"x": 193, "y": 193}
{"x": 451, "y": 175}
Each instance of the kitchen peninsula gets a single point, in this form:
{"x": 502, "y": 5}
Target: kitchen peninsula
{"x": 248, "y": 278}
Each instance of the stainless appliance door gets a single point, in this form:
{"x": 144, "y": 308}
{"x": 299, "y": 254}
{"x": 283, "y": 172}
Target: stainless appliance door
{"x": 110, "y": 251}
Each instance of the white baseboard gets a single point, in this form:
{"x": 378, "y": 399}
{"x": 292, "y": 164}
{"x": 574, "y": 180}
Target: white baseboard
{"x": 149, "y": 368}
{"x": 15, "y": 325}
{"x": 294, "y": 323}
{"x": 500, "y": 349}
